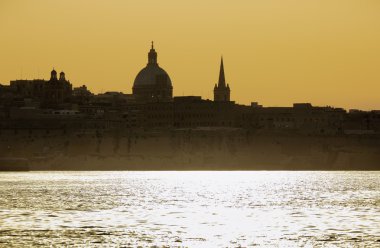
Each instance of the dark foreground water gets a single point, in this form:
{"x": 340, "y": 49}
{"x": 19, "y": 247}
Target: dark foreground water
{"x": 190, "y": 209}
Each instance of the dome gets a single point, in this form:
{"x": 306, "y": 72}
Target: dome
{"x": 152, "y": 83}
{"x": 151, "y": 75}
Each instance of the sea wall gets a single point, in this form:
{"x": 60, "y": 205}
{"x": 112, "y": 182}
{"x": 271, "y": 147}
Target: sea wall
{"x": 196, "y": 149}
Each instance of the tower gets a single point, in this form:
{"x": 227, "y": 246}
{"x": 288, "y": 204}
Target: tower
{"x": 62, "y": 76}
{"x": 221, "y": 90}
{"x": 53, "y": 75}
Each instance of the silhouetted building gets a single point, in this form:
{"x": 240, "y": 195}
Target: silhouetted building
{"x": 221, "y": 90}
{"x": 302, "y": 117}
{"x": 152, "y": 83}
{"x": 362, "y": 122}
{"x": 81, "y": 95}
{"x": 111, "y": 98}
{"x": 28, "y": 88}
{"x": 57, "y": 91}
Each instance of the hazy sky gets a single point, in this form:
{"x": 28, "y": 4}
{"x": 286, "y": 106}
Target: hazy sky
{"x": 276, "y": 52}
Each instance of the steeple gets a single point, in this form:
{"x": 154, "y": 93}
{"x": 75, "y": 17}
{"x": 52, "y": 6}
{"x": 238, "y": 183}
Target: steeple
{"x": 152, "y": 56}
{"x": 221, "y": 90}
{"x": 222, "y": 80}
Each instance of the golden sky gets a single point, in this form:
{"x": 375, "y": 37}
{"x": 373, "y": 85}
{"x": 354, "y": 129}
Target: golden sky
{"x": 276, "y": 52}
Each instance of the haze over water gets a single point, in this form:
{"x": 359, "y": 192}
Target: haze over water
{"x": 190, "y": 209}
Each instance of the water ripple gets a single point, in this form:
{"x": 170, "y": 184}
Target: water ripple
{"x": 190, "y": 209}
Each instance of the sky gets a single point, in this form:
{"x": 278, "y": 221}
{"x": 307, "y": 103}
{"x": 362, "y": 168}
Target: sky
{"x": 276, "y": 52}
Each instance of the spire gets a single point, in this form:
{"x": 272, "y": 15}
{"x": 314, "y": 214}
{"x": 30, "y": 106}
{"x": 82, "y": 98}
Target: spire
{"x": 222, "y": 80}
{"x": 221, "y": 91}
{"x": 152, "y": 56}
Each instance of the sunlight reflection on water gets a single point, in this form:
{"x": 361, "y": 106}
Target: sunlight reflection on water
{"x": 190, "y": 209}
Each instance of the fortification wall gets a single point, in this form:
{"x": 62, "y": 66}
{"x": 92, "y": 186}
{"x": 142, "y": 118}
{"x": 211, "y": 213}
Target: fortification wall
{"x": 232, "y": 149}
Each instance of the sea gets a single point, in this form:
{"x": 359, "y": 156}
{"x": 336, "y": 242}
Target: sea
{"x": 190, "y": 209}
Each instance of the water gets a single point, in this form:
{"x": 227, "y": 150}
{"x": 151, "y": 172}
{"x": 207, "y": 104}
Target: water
{"x": 190, "y": 209}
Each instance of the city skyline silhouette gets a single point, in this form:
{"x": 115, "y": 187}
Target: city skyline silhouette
{"x": 221, "y": 83}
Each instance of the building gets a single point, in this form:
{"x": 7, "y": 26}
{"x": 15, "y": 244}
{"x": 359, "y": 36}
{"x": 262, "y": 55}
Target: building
{"x": 28, "y": 88}
{"x": 81, "y": 95}
{"x": 152, "y": 83}
{"x": 50, "y": 94}
{"x": 57, "y": 92}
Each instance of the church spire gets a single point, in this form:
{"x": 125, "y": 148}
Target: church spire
{"x": 221, "y": 90}
{"x": 222, "y": 80}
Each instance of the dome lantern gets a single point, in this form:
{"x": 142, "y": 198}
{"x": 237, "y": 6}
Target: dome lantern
{"x": 152, "y": 56}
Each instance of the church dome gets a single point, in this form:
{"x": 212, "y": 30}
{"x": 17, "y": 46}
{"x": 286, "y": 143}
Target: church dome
{"x": 150, "y": 75}
{"x": 152, "y": 83}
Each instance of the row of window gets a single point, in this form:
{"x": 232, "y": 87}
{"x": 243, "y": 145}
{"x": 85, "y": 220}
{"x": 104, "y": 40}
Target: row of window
{"x": 293, "y": 119}
{"x": 181, "y": 116}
